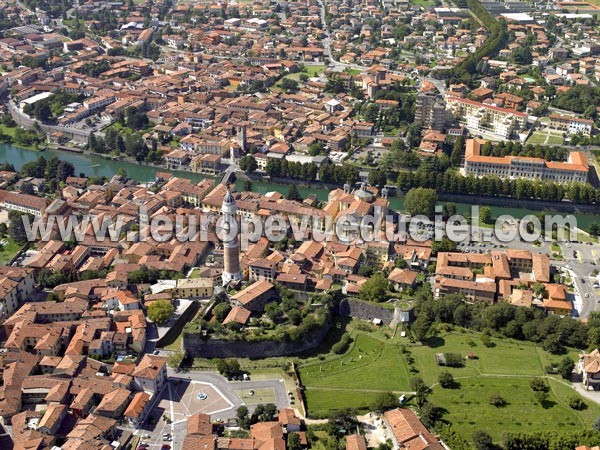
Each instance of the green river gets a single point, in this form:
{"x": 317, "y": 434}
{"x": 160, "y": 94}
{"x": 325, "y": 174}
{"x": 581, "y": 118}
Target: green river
{"x": 98, "y": 166}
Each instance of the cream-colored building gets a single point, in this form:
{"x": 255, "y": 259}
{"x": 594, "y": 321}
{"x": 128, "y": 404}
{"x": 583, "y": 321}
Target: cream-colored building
{"x": 194, "y": 288}
{"x": 575, "y": 169}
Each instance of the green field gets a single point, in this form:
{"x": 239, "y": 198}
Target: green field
{"x": 506, "y": 368}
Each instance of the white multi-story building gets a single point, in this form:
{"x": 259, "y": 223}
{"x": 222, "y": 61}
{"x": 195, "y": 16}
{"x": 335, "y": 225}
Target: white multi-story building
{"x": 483, "y": 118}
{"x": 570, "y": 124}
{"x": 575, "y": 169}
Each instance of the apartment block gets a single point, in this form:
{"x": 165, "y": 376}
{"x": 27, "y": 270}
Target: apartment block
{"x": 483, "y": 118}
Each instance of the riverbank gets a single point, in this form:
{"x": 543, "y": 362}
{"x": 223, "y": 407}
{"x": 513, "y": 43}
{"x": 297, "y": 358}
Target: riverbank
{"x": 98, "y": 165}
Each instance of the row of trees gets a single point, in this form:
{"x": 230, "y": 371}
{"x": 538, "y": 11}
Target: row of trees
{"x": 494, "y": 43}
{"x": 509, "y": 148}
{"x": 286, "y": 169}
{"x": 452, "y": 182}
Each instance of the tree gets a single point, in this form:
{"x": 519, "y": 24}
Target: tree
{"x": 274, "y": 312}
{"x": 16, "y": 229}
{"x": 385, "y": 401}
{"x": 422, "y": 391}
{"x": 175, "y": 359}
{"x": 541, "y": 397}
{"x": 160, "y": 311}
{"x": 64, "y": 170}
{"x": 576, "y": 403}
{"x": 446, "y": 380}
{"x": 242, "y": 416}
{"x": 293, "y": 442}
{"x": 565, "y": 367}
{"x": 264, "y": 413}
{"x": 374, "y": 289}
{"x": 293, "y": 194}
{"x": 485, "y": 214}
{"x": 458, "y": 151}
{"x": 289, "y": 86}
{"x": 450, "y": 209}
{"x": 248, "y": 164}
{"x": 221, "y": 310}
{"x": 377, "y": 177}
{"x": 27, "y": 188}
{"x": 420, "y": 201}
{"x": 228, "y": 367}
{"x": 483, "y": 440}
{"x": 497, "y": 400}
{"x": 445, "y": 245}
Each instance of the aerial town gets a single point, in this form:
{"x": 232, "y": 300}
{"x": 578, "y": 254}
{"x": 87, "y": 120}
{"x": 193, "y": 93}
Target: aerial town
{"x": 293, "y": 225}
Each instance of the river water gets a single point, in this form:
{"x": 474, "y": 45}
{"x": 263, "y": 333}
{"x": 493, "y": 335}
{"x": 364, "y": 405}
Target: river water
{"x": 98, "y": 166}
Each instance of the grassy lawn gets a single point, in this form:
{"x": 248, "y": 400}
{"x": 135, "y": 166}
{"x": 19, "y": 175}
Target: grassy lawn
{"x": 537, "y": 137}
{"x": 313, "y": 71}
{"x": 354, "y": 379}
{"x": 261, "y": 396}
{"x": 176, "y": 344}
{"x": 468, "y": 408}
{"x": 8, "y": 251}
{"x": 354, "y": 72}
{"x": 504, "y": 368}
{"x": 545, "y": 137}
{"x": 9, "y": 131}
{"x": 555, "y": 139}
{"x": 423, "y": 3}
{"x": 505, "y": 357}
{"x": 310, "y": 71}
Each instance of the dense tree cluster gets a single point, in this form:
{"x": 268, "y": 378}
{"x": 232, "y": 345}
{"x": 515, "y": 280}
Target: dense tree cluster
{"x": 53, "y": 169}
{"x": 578, "y": 98}
{"x": 551, "y": 439}
{"x": 149, "y": 275}
{"x": 48, "y": 109}
{"x": 552, "y": 332}
{"x": 286, "y": 169}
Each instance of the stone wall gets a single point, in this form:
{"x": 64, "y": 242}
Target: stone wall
{"x": 198, "y": 346}
{"x": 359, "y": 309}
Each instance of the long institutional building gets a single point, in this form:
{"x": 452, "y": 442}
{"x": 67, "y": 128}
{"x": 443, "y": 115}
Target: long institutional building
{"x": 575, "y": 169}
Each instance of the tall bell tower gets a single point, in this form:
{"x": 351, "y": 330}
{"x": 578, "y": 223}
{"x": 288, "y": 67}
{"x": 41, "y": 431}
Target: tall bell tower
{"x": 231, "y": 245}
